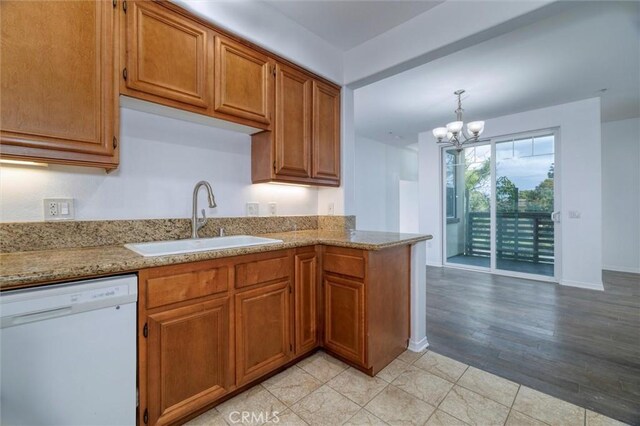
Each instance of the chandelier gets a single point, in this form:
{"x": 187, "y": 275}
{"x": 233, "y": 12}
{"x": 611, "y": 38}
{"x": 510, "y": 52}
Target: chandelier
{"x": 455, "y": 134}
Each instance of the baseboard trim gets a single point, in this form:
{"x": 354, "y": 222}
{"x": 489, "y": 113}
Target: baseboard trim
{"x": 582, "y": 284}
{"x": 621, "y": 269}
{"x": 435, "y": 265}
{"x": 418, "y": 346}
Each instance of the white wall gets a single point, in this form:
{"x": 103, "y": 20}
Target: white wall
{"x": 579, "y": 164}
{"x": 161, "y": 160}
{"x": 621, "y": 195}
{"x": 379, "y": 169}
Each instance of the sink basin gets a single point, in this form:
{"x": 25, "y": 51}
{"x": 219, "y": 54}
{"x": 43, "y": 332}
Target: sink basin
{"x": 163, "y": 248}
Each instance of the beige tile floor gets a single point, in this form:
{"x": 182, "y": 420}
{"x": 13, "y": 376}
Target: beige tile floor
{"x": 415, "y": 389}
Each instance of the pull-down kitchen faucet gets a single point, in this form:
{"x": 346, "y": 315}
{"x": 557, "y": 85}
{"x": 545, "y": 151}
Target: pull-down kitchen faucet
{"x": 197, "y": 223}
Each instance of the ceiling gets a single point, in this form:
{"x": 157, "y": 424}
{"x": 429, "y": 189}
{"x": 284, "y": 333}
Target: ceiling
{"x": 348, "y": 23}
{"x": 564, "y": 58}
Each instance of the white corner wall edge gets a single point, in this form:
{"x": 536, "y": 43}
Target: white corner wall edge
{"x": 410, "y": 40}
{"x": 582, "y": 284}
{"x": 418, "y": 346}
{"x": 418, "y": 304}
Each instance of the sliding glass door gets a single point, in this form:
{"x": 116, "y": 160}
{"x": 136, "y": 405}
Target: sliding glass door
{"x": 499, "y": 200}
{"x": 468, "y": 206}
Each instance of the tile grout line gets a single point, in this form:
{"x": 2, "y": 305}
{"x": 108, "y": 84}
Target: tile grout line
{"x": 512, "y": 403}
{"x": 445, "y": 397}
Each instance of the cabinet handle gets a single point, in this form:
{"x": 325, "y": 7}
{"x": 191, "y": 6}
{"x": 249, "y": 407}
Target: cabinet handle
{"x": 125, "y": 73}
{"x": 124, "y": 6}
{"x": 145, "y": 416}
{"x": 115, "y": 3}
{"x": 115, "y": 142}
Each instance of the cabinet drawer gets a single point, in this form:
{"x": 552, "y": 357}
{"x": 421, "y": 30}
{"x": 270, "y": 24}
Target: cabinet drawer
{"x": 344, "y": 262}
{"x": 263, "y": 270}
{"x": 177, "y": 288}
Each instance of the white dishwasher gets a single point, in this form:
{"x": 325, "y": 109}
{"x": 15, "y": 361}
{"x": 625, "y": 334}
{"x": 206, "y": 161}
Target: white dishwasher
{"x": 68, "y": 354}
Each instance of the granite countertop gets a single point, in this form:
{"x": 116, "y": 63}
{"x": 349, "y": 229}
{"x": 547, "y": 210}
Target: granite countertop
{"x": 30, "y": 268}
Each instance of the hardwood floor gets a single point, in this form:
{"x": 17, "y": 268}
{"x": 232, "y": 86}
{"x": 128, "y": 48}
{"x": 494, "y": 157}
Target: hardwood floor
{"x": 582, "y": 346}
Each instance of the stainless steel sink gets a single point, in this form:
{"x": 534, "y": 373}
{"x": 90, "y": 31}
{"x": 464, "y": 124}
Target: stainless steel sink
{"x": 163, "y": 248}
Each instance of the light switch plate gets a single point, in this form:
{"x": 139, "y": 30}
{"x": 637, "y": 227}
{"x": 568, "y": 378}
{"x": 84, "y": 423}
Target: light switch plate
{"x": 59, "y": 209}
{"x": 253, "y": 209}
{"x": 330, "y": 209}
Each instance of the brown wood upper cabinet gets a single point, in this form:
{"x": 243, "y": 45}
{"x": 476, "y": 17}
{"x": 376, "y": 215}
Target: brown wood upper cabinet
{"x": 293, "y": 123}
{"x": 304, "y": 145}
{"x": 58, "y": 82}
{"x": 326, "y": 132}
{"x": 244, "y": 82}
{"x": 168, "y": 57}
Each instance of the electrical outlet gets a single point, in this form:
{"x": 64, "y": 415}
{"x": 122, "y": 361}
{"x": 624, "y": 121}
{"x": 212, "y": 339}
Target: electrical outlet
{"x": 59, "y": 209}
{"x": 253, "y": 209}
{"x": 273, "y": 209}
{"x": 330, "y": 209}
{"x": 51, "y": 208}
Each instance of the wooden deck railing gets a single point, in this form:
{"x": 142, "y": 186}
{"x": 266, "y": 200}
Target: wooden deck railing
{"x": 519, "y": 236}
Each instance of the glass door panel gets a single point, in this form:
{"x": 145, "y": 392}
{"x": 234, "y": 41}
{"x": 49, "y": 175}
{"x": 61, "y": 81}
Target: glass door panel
{"x": 524, "y": 237}
{"x": 467, "y": 205}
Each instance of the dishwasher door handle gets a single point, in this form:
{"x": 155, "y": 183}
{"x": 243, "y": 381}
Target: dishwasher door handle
{"x": 39, "y": 316}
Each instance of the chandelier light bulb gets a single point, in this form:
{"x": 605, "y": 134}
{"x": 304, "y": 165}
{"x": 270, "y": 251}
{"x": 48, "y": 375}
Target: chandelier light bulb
{"x": 475, "y": 127}
{"x": 440, "y": 133}
{"x": 455, "y": 127}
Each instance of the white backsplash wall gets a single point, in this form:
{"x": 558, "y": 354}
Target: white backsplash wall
{"x": 161, "y": 159}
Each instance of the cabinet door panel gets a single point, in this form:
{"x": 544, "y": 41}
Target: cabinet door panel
{"x": 58, "y": 80}
{"x": 306, "y": 265}
{"x": 326, "y": 132}
{"x": 262, "y": 330}
{"x": 188, "y": 359}
{"x": 344, "y": 317}
{"x": 293, "y": 122}
{"x": 167, "y": 54}
{"x": 243, "y": 81}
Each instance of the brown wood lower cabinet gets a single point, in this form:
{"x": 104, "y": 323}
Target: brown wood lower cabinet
{"x": 188, "y": 358}
{"x": 263, "y": 333}
{"x": 366, "y": 305}
{"x": 306, "y": 300}
{"x": 344, "y": 332}
{"x": 209, "y": 329}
